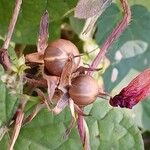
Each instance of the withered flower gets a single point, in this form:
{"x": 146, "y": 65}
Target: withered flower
{"x": 136, "y": 91}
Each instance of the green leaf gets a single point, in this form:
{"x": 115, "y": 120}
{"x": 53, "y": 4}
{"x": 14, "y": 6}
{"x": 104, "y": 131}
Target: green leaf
{"x": 8, "y": 102}
{"x": 46, "y": 132}
{"x": 109, "y": 128}
{"x": 4, "y": 142}
{"x": 140, "y": 2}
{"x": 131, "y": 50}
{"x": 136, "y": 47}
{"x": 142, "y": 114}
{"x": 76, "y": 24}
{"x": 113, "y": 128}
{"x": 27, "y": 27}
{"x": 107, "y": 21}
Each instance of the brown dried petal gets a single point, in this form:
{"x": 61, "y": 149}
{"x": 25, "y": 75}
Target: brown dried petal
{"x": 136, "y": 91}
{"x": 90, "y": 8}
{"x": 65, "y": 78}
{"x": 43, "y": 33}
{"x": 35, "y": 58}
{"x": 62, "y": 103}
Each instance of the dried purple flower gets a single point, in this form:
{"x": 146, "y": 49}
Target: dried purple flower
{"x": 136, "y": 91}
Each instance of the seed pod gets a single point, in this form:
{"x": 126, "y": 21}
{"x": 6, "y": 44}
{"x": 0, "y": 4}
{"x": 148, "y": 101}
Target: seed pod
{"x": 84, "y": 90}
{"x": 56, "y": 55}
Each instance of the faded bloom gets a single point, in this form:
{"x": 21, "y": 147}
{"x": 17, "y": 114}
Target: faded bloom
{"x": 136, "y": 91}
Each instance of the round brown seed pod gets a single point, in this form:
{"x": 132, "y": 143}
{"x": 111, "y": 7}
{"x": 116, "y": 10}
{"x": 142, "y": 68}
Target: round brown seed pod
{"x": 83, "y": 90}
{"x": 56, "y": 55}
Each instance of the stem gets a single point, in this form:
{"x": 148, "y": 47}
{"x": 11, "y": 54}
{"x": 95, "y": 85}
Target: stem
{"x": 35, "y": 82}
{"x": 81, "y": 128}
{"x": 18, "y": 124}
{"x": 12, "y": 24}
{"x": 4, "y": 57}
{"x": 114, "y": 35}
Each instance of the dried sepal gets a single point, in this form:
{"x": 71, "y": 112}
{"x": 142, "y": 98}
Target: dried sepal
{"x": 72, "y": 109}
{"x": 16, "y": 131}
{"x": 65, "y": 79}
{"x": 52, "y": 82}
{"x": 84, "y": 132}
{"x": 38, "y": 57}
{"x": 43, "y": 33}
{"x": 42, "y": 98}
{"x": 136, "y": 91}
{"x": 52, "y": 85}
{"x": 35, "y": 58}
{"x": 89, "y": 8}
{"x": 61, "y": 104}
{"x": 86, "y": 143}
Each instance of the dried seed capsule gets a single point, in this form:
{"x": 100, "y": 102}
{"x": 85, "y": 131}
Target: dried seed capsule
{"x": 84, "y": 90}
{"x": 56, "y": 55}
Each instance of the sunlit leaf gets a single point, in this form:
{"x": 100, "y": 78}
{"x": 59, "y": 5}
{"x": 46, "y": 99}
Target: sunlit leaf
{"x": 112, "y": 128}
{"x": 27, "y": 27}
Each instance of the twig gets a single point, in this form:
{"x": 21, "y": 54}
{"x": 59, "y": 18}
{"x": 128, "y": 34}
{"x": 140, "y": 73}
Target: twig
{"x": 4, "y": 58}
{"x": 114, "y": 35}
{"x": 81, "y": 129}
{"x": 35, "y": 82}
{"x": 84, "y": 132}
{"x": 12, "y": 24}
{"x": 18, "y": 124}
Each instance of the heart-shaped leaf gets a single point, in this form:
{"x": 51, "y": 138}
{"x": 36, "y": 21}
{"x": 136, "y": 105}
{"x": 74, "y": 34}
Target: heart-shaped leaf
{"x": 27, "y": 27}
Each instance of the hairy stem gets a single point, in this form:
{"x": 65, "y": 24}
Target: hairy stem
{"x": 18, "y": 124}
{"x": 114, "y": 35}
{"x": 35, "y": 82}
{"x": 12, "y": 24}
{"x": 81, "y": 128}
{"x": 4, "y": 58}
